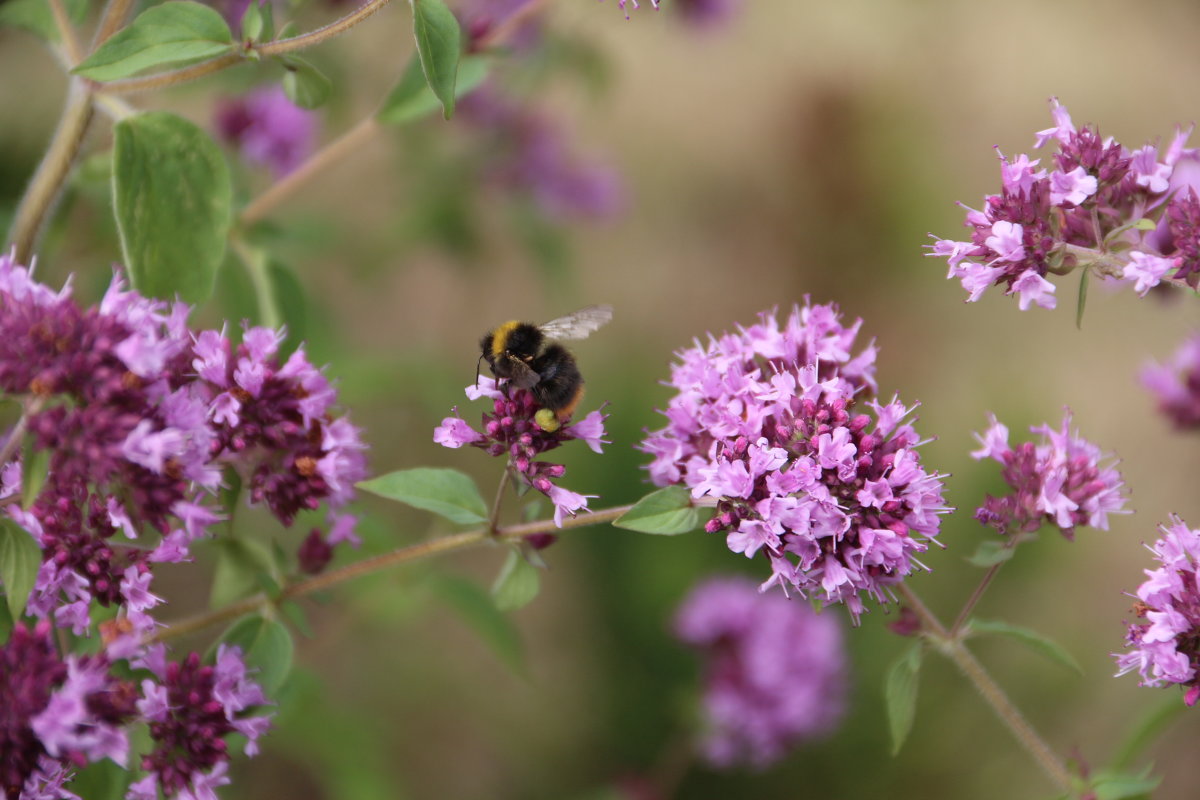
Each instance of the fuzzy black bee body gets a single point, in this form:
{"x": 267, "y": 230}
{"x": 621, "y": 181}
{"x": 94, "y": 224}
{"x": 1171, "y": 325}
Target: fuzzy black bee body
{"x": 518, "y": 351}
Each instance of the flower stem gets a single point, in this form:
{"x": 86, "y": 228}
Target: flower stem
{"x": 349, "y": 142}
{"x": 368, "y": 566}
{"x": 66, "y": 32}
{"x": 954, "y": 649}
{"x": 111, "y": 21}
{"x": 494, "y": 516}
{"x": 219, "y": 63}
{"x": 47, "y": 181}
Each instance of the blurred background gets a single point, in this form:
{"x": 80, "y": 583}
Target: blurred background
{"x": 788, "y": 150}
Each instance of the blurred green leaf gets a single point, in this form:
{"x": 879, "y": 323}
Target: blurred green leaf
{"x": 36, "y": 16}
{"x": 291, "y": 303}
{"x": 1147, "y": 729}
{"x": 103, "y": 780}
{"x": 1144, "y": 224}
{"x": 990, "y": 553}
{"x": 1035, "y": 640}
{"x": 412, "y": 99}
{"x": 304, "y": 84}
{"x": 266, "y": 646}
{"x": 478, "y": 610}
{"x": 173, "y": 202}
{"x": 35, "y": 468}
{"x": 900, "y": 694}
{"x": 231, "y": 492}
{"x": 1123, "y": 786}
{"x": 439, "y": 45}
{"x": 20, "y": 560}
{"x": 517, "y": 584}
{"x": 295, "y": 614}
{"x": 239, "y": 563}
{"x": 175, "y": 32}
{"x": 258, "y": 22}
{"x": 6, "y": 623}
{"x": 447, "y": 492}
{"x": 666, "y": 512}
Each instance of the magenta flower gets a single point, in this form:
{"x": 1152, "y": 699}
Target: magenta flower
{"x": 1176, "y": 384}
{"x": 510, "y": 430}
{"x": 1165, "y": 645}
{"x": 775, "y": 672}
{"x": 707, "y": 13}
{"x": 1060, "y": 481}
{"x": 766, "y": 425}
{"x": 267, "y": 128}
{"x": 1083, "y": 210}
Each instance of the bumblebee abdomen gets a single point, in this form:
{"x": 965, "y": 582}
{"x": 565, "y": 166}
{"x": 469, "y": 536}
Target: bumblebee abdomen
{"x": 561, "y": 385}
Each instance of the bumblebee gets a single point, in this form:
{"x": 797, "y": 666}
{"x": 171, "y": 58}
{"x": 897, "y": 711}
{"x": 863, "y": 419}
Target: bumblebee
{"x": 519, "y": 351}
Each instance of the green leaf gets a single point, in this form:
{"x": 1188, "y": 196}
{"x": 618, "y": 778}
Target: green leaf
{"x": 267, "y": 646}
{"x": 20, "y": 560}
{"x": 1144, "y": 224}
{"x": 36, "y": 16}
{"x": 102, "y": 780}
{"x": 478, "y": 610}
{"x": 1035, "y": 640}
{"x": 412, "y": 99}
{"x": 1081, "y": 303}
{"x": 900, "y": 694}
{"x": 666, "y": 512}
{"x": 446, "y": 492}
{"x": 1147, "y": 729}
{"x": 258, "y": 22}
{"x": 304, "y": 84}
{"x": 239, "y": 564}
{"x": 6, "y": 623}
{"x": 35, "y": 468}
{"x": 175, "y": 32}
{"x": 173, "y": 199}
{"x": 439, "y": 45}
{"x": 1123, "y": 786}
{"x": 291, "y": 303}
{"x": 297, "y": 617}
{"x": 517, "y": 584}
{"x": 990, "y": 553}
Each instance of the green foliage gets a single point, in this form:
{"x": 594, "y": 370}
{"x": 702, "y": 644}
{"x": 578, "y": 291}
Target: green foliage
{"x": 479, "y": 611}
{"x": 36, "y": 16}
{"x": 176, "y": 32}
{"x": 413, "y": 99}
{"x": 447, "y": 492}
{"x": 1123, "y": 786}
{"x": 1081, "y": 301}
{"x": 1156, "y": 720}
{"x": 236, "y": 575}
{"x": 989, "y": 553}
{"x": 20, "y": 559}
{"x": 258, "y": 22}
{"x": 1032, "y": 639}
{"x": 304, "y": 84}
{"x": 517, "y": 584}
{"x": 266, "y": 646}
{"x": 173, "y": 201}
{"x": 439, "y": 45}
{"x": 666, "y": 512}
{"x": 35, "y": 468}
{"x": 900, "y": 694}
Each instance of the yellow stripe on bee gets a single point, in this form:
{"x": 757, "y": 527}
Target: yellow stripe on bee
{"x": 500, "y": 337}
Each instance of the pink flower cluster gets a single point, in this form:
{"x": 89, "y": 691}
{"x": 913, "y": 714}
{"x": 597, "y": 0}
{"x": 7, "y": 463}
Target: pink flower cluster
{"x": 510, "y": 430}
{"x": 1176, "y": 384}
{"x": 774, "y": 672}
{"x": 766, "y": 425}
{"x": 1165, "y": 644}
{"x": 1060, "y": 481}
{"x": 1131, "y": 214}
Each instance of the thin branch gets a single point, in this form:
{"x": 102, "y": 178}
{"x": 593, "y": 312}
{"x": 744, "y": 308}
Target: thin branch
{"x": 113, "y": 19}
{"x": 321, "y": 34}
{"x": 163, "y": 79}
{"x": 67, "y": 32}
{"x": 494, "y": 516}
{"x": 349, "y": 142}
{"x": 378, "y": 563}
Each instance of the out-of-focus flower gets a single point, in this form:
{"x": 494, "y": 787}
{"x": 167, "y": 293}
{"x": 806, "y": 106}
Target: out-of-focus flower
{"x": 527, "y": 153}
{"x": 1083, "y": 210}
{"x": 1176, "y": 384}
{"x": 1164, "y": 646}
{"x": 625, "y": 5}
{"x": 511, "y": 430}
{"x": 706, "y": 13}
{"x": 267, "y": 128}
{"x": 764, "y": 423}
{"x": 1060, "y": 481}
{"x": 775, "y": 671}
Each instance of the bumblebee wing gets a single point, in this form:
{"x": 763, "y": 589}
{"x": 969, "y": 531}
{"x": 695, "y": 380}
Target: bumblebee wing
{"x": 579, "y": 325}
{"x": 521, "y": 375}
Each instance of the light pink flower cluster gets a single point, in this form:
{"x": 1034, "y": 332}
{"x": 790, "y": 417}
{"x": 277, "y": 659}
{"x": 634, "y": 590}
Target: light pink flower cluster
{"x": 774, "y": 672}
{"x": 1165, "y": 644}
{"x": 766, "y": 424}
{"x": 1176, "y": 384}
{"x": 1084, "y": 209}
{"x": 1060, "y": 481}
{"x": 510, "y": 430}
